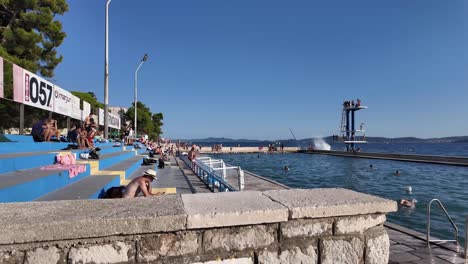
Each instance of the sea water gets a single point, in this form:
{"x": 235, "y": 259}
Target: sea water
{"x": 428, "y": 181}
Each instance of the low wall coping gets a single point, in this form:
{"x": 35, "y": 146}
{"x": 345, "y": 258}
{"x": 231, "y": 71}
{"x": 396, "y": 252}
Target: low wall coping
{"x": 317, "y": 203}
{"x": 65, "y": 220}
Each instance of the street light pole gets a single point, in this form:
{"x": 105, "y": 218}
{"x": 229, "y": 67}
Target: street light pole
{"x": 136, "y": 88}
{"x": 106, "y": 75}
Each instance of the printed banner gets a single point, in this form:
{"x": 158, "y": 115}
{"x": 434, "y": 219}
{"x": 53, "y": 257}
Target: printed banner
{"x": 114, "y": 121}
{"x": 18, "y": 84}
{"x": 1, "y": 78}
{"x": 101, "y": 117}
{"x": 62, "y": 101}
{"x": 76, "y": 111}
{"x": 86, "y": 110}
{"x": 37, "y": 91}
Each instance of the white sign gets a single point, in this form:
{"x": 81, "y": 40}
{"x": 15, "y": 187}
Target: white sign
{"x": 101, "y": 117}
{"x": 37, "y": 91}
{"x": 114, "y": 121}
{"x": 76, "y": 111}
{"x": 62, "y": 101}
{"x": 86, "y": 110}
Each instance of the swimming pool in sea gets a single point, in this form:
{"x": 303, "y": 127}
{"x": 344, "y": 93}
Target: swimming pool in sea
{"x": 447, "y": 183}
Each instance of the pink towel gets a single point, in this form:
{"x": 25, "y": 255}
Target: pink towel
{"x": 73, "y": 170}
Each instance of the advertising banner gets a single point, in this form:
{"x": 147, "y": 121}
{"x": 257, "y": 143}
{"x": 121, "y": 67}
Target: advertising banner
{"x": 114, "y": 121}
{"x": 101, "y": 117}
{"x": 62, "y": 101}
{"x": 86, "y": 110}
{"x": 37, "y": 92}
{"x": 1, "y": 78}
{"x": 76, "y": 111}
{"x": 18, "y": 84}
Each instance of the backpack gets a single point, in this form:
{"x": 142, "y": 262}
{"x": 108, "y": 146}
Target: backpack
{"x": 114, "y": 192}
{"x": 93, "y": 153}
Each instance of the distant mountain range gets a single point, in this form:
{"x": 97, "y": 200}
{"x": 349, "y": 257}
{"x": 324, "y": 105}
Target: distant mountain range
{"x": 306, "y": 141}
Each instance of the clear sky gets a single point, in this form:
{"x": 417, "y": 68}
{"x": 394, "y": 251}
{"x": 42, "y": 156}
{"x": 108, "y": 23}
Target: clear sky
{"x": 255, "y": 68}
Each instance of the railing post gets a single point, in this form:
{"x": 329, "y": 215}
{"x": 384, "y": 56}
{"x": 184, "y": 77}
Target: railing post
{"x": 466, "y": 237}
{"x": 224, "y": 170}
{"x": 241, "y": 179}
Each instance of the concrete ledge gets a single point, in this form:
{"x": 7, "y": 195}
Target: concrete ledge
{"x": 61, "y": 220}
{"x": 231, "y": 209}
{"x": 84, "y": 219}
{"x": 317, "y": 203}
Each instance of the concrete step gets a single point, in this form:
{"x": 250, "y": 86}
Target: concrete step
{"x": 27, "y": 160}
{"x": 27, "y": 185}
{"x": 88, "y": 188}
{"x": 93, "y": 186}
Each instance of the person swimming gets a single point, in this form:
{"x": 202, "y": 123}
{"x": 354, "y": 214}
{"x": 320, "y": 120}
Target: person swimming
{"x": 408, "y": 203}
{"x": 397, "y": 173}
{"x": 286, "y": 169}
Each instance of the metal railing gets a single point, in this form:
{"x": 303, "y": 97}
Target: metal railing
{"x": 466, "y": 237}
{"x": 428, "y": 234}
{"x": 213, "y": 173}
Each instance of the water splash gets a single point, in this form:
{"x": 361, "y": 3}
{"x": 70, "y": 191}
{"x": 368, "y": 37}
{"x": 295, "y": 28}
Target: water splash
{"x": 320, "y": 144}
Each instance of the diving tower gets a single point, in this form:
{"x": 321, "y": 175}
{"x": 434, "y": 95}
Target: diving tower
{"x": 349, "y": 134}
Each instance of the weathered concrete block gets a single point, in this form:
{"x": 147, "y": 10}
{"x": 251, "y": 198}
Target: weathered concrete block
{"x": 11, "y": 257}
{"x": 109, "y": 253}
{"x": 231, "y": 209}
{"x": 293, "y": 255}
{"x": 377, "y": 247}
{"x": 318, "y": 203}
{"x": 169, "y": 245}
{"x": 307, "y": 228}
{"x": 238, "y": 238}
{"x": 344, "y": 250}
{"x": 50, "y": 255}
{"x": 229, "y": 261}
{"x": 357, "y": 224}
{"x": 58, "y": 220}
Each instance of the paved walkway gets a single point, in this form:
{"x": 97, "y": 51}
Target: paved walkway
{"x": 409, "y": 247}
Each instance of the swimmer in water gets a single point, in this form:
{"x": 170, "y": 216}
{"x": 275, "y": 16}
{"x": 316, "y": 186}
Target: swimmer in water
{"x": 397, "y": 173}
{"x": 286, "y": 169}
{"x": 408, "y": 203}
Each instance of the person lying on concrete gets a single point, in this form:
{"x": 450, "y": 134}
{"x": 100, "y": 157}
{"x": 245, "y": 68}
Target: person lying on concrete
{"x": 141, "y": 184}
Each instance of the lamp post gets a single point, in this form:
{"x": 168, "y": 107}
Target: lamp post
{"x": 106, "y": 74}
{"x": 136, "y": 88}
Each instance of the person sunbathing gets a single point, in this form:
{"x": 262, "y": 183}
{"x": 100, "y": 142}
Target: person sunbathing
{"x": 141, "y": 184}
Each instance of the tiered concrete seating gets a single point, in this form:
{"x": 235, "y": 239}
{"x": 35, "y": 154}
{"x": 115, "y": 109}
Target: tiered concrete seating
{"x": 21, "y": 178}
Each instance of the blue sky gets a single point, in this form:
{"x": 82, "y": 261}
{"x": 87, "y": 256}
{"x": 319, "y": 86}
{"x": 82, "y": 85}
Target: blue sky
{"x": 254, "y": 69}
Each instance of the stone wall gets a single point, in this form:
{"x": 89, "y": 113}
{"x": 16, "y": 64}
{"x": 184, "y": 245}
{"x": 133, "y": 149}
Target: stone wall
{"x": 286, "y": 226}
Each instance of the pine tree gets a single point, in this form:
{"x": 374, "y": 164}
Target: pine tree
{"x": 30, "y": 35}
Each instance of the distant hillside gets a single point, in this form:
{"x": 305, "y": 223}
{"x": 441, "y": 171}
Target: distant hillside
{"x": 307, "y": 141}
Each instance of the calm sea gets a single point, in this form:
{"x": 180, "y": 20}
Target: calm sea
{"x": 428, "y": 181}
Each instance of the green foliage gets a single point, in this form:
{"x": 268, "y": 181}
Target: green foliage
{"x": 29, "y": 35}
{"x": 148, "y": 123}
{"x": 90, "y": 98}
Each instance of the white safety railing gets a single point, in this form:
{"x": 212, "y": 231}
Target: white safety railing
{"x": 220, "y": 169}
{"x": 466, "y": 237}
{"x": 213, "y": 172}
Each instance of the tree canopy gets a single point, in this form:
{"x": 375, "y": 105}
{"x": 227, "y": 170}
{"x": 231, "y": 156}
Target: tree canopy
{"x": 89, "y": 97}
{"x": 30, "y": 35}
{"x": 148, "y": 123}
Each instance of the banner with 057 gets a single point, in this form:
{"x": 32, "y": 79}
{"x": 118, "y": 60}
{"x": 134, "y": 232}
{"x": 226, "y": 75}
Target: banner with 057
{"x": 37, "y": 91}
